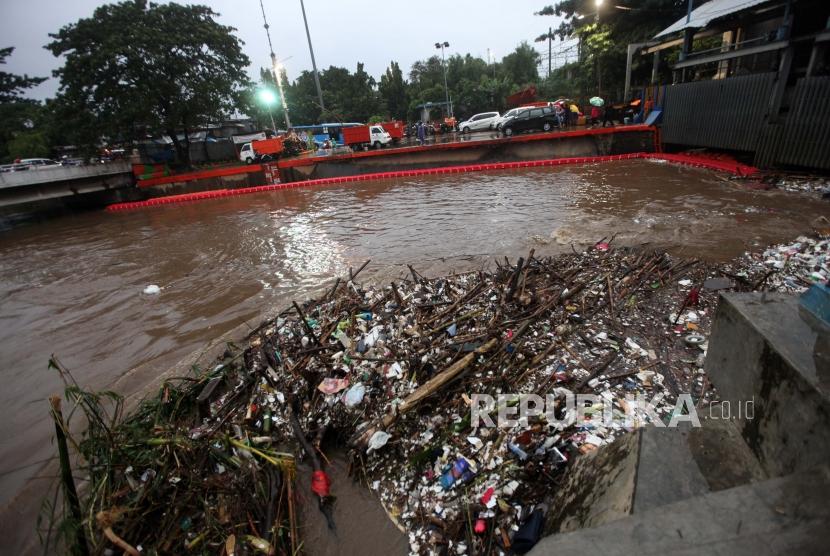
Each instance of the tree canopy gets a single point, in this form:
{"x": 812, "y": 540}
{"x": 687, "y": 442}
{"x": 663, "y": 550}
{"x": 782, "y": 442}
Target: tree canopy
{"x": 474, "y": 86}
{"x": 12, "y": 86}
{"x": 604, "y": 34}
{"x": 134, "y": 69}
{"x": 21, "y": 132}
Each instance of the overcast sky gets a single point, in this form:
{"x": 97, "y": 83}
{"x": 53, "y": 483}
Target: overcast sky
{"x": 344, "y": 32}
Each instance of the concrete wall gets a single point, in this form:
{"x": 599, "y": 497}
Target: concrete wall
{"x": 598, "y": 487}
{"x": 557, "y": 146}
{"x": 764, "y": 349}
{"x": 63, "y": 173}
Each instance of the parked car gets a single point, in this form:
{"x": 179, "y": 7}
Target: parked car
{"x": 478, "y": 122}
{"x": 39, "y": 163}
{"x": 504, "y": 117}
{"x": 530, "y": 119}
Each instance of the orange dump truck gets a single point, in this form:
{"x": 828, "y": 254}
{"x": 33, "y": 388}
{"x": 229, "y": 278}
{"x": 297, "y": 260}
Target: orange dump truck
{"x": 262, "y": 150}
{"x": 395, "y": 129}
{"x": 366, "y": 135}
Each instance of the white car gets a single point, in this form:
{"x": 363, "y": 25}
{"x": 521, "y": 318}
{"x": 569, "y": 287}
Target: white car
{"x": 485, "y": 120}
{"x": 40, "y": 163}
{"x": 504, "y": 117}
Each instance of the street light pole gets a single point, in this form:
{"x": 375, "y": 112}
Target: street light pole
{"x": 442, "y": 45}
{"x": 313, "y": 61}
{"x": 267, "y": 97}
{"x": 274, "y": 70}
{"x": 596, "y": 58}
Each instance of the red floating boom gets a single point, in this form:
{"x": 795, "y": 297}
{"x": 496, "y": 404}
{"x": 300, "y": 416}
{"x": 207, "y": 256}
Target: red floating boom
{"x": 719, "y": 164}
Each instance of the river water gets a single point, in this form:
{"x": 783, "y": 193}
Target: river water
{"x": 72, "y": 286}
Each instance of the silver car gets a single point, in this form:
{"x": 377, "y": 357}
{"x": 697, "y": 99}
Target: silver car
{"x": 485, "y": 120}
{"x": 39, "y": 163}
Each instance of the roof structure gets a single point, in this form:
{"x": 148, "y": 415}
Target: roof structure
{"x": 708, "y": 12}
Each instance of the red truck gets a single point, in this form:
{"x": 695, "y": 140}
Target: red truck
{"x": 395, "y": 129}
{"x": 263, "y": 149}
{"x": 366, "y": 135}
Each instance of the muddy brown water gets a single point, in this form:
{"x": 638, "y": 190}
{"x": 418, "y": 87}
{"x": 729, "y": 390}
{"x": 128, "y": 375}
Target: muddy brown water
{"x": 73, "y": 286}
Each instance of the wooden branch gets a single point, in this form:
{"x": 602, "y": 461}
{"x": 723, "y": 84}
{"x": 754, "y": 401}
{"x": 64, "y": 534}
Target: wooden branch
{"x": 436, "y": 383}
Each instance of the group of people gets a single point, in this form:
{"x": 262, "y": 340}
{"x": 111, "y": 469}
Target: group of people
{"x": 566, "y": 112}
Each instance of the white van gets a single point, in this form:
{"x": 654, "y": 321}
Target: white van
{"x": 247, "y": 154}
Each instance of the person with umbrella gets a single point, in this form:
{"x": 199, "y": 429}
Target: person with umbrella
{"x": 596, "y": 110}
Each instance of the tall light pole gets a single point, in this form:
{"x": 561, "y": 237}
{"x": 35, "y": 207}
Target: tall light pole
{"x": 275, "y": 71}
{"x": 268, "y": 99}
{"x": 313, "y": 61}
{"x": 596, "y": 58}
{"x": 443, "y": 45}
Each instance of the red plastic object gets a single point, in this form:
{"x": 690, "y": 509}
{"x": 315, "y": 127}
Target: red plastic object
{"x": 480, "y": 526}
{"x": 488, "y": 494}
{"x": 200, "y": 175}
{"x": 320, "y": 483}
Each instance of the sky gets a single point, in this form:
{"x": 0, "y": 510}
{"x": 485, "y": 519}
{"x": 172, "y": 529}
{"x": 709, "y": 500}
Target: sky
{"x": 343, "y": 32}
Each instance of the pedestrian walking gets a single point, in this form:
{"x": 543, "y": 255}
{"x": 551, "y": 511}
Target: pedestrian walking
{"x": 561, "y": 116}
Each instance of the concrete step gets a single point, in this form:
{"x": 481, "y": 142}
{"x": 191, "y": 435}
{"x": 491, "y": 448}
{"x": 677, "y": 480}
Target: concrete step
{"x": 681, "y": 463}
{"x": 649, "y": 468}
{"x": 768, "y": 354}
{"x": 782, "y": 515}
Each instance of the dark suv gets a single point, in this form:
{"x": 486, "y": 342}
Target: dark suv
{"x": 530, "y": 119}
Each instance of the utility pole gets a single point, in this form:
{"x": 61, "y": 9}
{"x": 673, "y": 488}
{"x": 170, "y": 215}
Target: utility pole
{"x": 597, "y": 68}
{"x": 313, "y": 61}
{"x": 276, "y": 73}
{"x": 275, "y": 69}
{"x": 550, "y": 38}
{"x": 441, "y": 45}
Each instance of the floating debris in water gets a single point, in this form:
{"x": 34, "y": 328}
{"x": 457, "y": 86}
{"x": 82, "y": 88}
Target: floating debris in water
{"x": 396, "y": 371}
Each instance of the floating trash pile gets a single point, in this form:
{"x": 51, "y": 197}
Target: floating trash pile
{"x": 802, "y": 184}
{"x": 402, "y": 374}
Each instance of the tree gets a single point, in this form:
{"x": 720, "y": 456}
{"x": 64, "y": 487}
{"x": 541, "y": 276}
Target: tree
{"x": 520, "y": 66}
{"x": 11, "y": 85}
{"x": 19, "y": 117}
{"x": 349, "y": 97}
{"x": 605, "y": 35}
{"x": 393, "y": 91}
{"x": 135, "y": 68}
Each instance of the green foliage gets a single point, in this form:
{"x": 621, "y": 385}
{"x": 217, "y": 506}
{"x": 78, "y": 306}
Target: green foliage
{"x": 11, "y": 85}
{"x": 29, "y": 144}
{"x": 20, "y": 119}
{"x": 604, "y": 41}
{"x": 393, "y": 91}
{"x": 134, "y": 69}
{"x": 474, "y": 86}
{"x": 519, "y": 67}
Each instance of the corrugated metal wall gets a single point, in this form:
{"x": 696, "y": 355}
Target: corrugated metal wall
{"x": 721, "y": 113}
{"x": 803, "y": 137}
